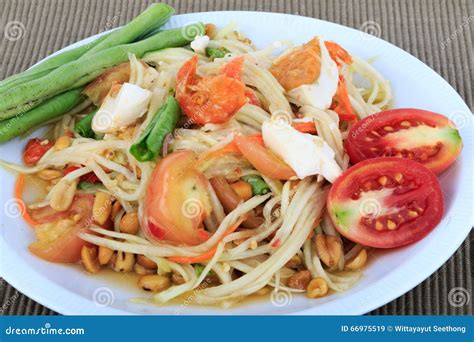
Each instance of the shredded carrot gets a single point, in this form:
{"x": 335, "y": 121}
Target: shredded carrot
{"x": 305, "y": 127}
{"x": 210, "y": 253}
{"x": 19, "y": 185}
{"x": 341, "y": 104}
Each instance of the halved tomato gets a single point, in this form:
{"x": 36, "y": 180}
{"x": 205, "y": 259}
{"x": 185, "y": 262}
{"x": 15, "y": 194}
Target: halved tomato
{"x": 426, "y": 137}
{"x": 386, "y": 202}
{"x": 177, "y": 200}
{"x": 57, "y": 234}
{"x": 263, "y": 159}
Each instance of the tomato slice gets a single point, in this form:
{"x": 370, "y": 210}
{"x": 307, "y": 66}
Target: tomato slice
{"x": 35, "y": 149}
{"x": 386, "y": 202}
{"x": 426, "y": 137}
{"x": 263, "y": 159}
{"x": 58, "y": 239}
{"x": 177, "y": 200}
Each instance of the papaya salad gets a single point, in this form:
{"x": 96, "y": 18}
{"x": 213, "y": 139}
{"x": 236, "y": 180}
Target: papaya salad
{"x": 209, "y": 166}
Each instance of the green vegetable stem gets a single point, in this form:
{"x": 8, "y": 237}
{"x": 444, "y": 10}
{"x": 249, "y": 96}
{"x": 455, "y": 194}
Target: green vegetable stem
{"x": 149, "y": 144}
{"x": 151, "y": 19}
{"x": 259, "y": 187}
{"x": 47, "y": 110}
{"x": 89, "y": 67}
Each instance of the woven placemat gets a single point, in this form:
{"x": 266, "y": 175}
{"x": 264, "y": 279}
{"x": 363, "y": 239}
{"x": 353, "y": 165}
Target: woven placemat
{"x": 437, "y": 32}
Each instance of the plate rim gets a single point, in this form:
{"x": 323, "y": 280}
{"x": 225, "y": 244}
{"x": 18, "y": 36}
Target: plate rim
{"x": 43, "y": 297}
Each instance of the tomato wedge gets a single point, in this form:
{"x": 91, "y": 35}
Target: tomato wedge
{"x": 263, "y": 159}
{"x": 177, "y": 200}
{"x": 58, "y": 239}
{"x": 426, "y": 137}
{"x": 386, "y": 202}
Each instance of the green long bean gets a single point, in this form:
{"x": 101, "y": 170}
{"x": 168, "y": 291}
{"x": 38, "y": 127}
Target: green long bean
{"x": 151, "y": 19}
{"x": 84, "y": 126}
{"x": 149, "y": 144}
{"x": 89, "y": 67}
{"x": 48, "y": 110}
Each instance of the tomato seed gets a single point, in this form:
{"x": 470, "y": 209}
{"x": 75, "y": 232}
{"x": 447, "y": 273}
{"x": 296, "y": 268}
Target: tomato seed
{"x": 391, "y": 225}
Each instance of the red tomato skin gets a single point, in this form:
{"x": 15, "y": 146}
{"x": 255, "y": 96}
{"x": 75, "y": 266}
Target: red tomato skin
{"x": 409, "y": 232}
{"x": 35, "y": 149}
{"x": 358, "y": 147}
{"x": 167, "y": 195}
{"x": 66, "y": 248}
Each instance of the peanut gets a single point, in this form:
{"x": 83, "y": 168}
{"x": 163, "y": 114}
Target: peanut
{"x": 89, "y": 259}
{"x": 102, "y": 207}
{"x": 154, "y": 283}
{"x": 243, "y": 189}
{"x": 294, "y": 262}
{"x": 145, "y": 262}
{"x": 210, "y": 30}
{"x": 124, "y": 262}
{"x": 62, "y": 195}
{"x": 140, "y": 270}
{"x": 177, "y": 278}
{"x": 357, "y": 262}
{"x": 329, "y": 249}
{"x": 116, "y": 207}
{"x": 300, "y": 280}
{"x": 105, "y": 255}
{"x": 129, "y": 223}
{"x": 317, "y": 288}
{"x": 62, "y": 143}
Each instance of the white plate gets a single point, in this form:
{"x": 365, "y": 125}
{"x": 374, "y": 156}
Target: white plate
{"x": 67, "y": 290}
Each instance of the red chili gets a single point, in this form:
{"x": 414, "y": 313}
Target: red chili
{"x": 35, "y": 149}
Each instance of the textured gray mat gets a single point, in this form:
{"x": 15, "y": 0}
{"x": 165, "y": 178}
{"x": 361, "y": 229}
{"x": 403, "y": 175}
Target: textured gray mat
{"x": 437, "y": 32}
